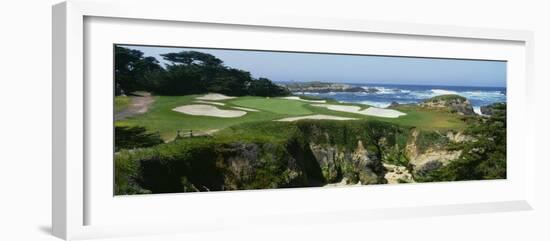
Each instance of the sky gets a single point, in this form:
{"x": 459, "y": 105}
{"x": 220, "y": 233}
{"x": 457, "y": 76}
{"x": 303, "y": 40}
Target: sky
{"x": 338, "y": 68}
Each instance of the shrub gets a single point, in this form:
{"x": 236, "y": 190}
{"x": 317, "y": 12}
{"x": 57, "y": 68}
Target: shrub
{"x": 134, "y": 137}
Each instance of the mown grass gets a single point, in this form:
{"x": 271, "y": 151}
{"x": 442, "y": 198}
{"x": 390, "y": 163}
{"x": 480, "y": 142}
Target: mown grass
{"x": 274, "y": 105}
{"x": 163, "y": 119}
{"x": 121, "y": 102}
{"x": 427, "y": 119}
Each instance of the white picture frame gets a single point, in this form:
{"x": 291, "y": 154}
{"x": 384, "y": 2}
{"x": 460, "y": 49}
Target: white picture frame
{"x": 73, "y": 192}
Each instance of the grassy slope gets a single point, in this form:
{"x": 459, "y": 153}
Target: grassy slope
{"x": 427, "y": 119}
{"x": 161, "y": 117}
{"x": 121, "y": 102}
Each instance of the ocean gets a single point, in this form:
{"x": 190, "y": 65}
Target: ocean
{"x": 406, "y": 94}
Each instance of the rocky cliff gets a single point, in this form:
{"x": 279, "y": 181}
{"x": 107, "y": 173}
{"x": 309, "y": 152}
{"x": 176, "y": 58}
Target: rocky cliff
{"x": 356, "y": 166}
{"x": 322, "y": 87}
{"x": 454, "y": 103}
{"x": 318, "y": 153}
{"x": 428, "y": 151}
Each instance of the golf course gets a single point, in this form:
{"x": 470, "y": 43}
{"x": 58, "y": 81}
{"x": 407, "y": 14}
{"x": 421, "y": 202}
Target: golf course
{"x": 194, "y": 124}
{"x": 163, "y": 117}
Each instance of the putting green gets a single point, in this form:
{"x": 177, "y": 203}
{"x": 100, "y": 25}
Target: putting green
{"x": 273, "y": 105}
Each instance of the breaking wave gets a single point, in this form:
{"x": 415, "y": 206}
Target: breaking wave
{"x": 383, "y": 96}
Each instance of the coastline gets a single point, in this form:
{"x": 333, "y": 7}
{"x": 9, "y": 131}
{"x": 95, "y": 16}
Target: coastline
{"x": 383, "y": 95}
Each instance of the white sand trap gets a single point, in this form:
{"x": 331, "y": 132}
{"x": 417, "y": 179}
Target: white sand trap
{"x": 316, "y": 117}
{"x": 208, "y": 110}
{"x": 300, "y": 99}
{"x": 372, "y": 111}
{"x": 381, "y": 112}
{"x": 209, "y": 102}
{"x": 246, "y": 109}
{"x": 215, "y": 96}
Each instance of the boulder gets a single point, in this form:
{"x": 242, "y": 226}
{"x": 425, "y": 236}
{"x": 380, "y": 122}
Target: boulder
{"x": 354, "y": 89}
{"x": 397, "y": 174}
{"x": 394, "y": 104}
{"x": 371, "y": 90}
{"x": 427, "y": 168}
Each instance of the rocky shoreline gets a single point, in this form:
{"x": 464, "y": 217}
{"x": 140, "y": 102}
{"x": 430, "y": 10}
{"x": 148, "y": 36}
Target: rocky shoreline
{"x": 322, "y": 87}
{"x": 454, "y": 102}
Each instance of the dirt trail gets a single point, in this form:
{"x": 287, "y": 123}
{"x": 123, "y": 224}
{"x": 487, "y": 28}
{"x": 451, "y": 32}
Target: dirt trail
{"x": 138, "y": 105}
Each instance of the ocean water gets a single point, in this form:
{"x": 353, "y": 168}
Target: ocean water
{"x": 406, "y": 94}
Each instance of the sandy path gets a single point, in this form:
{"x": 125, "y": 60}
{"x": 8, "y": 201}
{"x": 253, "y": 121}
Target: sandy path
{"x": 300, "y": 99}
{"x": 208, "y": 110}
{"x": 316, "y": 117}
{"x": 372, "y": 111}
{"x": 138, "y": 105}
{"x": 215, "y": 96}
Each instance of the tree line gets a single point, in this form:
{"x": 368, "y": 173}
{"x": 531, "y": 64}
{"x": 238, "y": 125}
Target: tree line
{"x": 187, "y": 72}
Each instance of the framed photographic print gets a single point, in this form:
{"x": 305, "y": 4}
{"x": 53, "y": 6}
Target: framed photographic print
{"x": 188, "y": 121}
{"x": 181, "y": 121}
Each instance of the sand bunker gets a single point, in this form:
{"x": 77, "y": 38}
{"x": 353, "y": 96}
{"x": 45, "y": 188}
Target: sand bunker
{"x": 208, "y": 110}
{"x": 209, "y": 102}
{"x": 316, "y": 117}
{"x": 246, "y": 109}
{"x": 300, "y": 99}
{"x": 372, "y": 111}
{"x": 388, "y": 113}
{"x": 214, "y": 96}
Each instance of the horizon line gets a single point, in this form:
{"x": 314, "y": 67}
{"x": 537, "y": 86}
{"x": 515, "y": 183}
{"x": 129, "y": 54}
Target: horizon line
{"x": 374, "y": 83}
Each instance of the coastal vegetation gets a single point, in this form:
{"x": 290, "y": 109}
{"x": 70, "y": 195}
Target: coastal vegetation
{"x": 482, "y": 158}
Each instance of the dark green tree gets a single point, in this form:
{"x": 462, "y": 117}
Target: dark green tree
{"x": 135, "y": 137}
{"x": 180, "y": 80}
{"x": 187, "y": 72}
{"x": 132, "y": 70}
{"x": 264, "y": 87}
{"x": 193, "y": 58}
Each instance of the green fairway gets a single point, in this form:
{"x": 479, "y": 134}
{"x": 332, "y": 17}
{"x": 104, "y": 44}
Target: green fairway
{"x": 121, "y": 102}
{"x": 160, "y": 116}
{"x": 163, "y": 119}
{"x": 274, "y": 105}
{"x": 427, "y": 119}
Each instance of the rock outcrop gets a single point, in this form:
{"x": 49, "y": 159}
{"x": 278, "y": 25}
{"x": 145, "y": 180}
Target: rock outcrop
{"x": 455, "y": 103}
{"x": 436, "y": 155}
{"x": 323, "y": 87}
{"x": 397, "y": 174}
{"x": 393, "y": 104}
{"x": 354, "y": 165}
{"x": 245, "y": 162}
{"x": 489, "y": 110}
